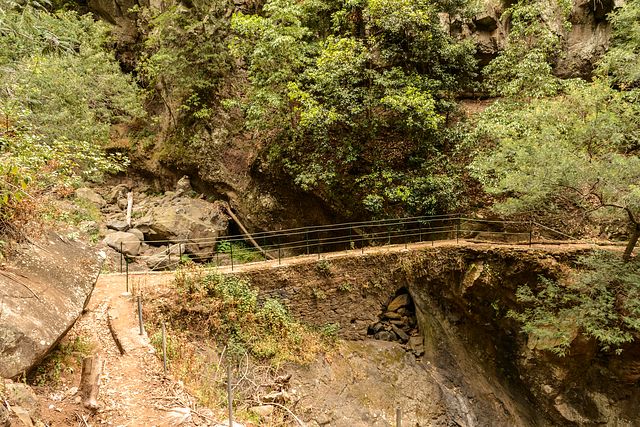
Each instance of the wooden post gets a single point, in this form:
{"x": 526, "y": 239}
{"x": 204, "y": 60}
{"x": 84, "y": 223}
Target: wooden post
{"x": 140, "y": 315}
{"x": 90, "y": 381}
{"x": 229, "y": 396}
{"x": 129, "y": 207}
{"x": 164, "y": 348}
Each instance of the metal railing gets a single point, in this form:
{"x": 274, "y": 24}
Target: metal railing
{"x": 350, "y": 236}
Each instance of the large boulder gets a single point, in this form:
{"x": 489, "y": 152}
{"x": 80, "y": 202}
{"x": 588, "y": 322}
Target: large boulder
{"x": 128, "y": 243}
{"x": 196, "y": 222}
{"x": 44, "y": 290}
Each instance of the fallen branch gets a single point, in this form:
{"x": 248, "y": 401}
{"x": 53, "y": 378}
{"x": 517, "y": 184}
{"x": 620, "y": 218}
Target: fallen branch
{"x": 90, "y": 381}
{"x": 114, "y": 334}
{"x": 246, "y": 232}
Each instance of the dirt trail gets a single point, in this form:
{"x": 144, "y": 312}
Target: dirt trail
{"x": 134, "y": 391}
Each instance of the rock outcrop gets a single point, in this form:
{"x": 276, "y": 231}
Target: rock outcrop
{"x": 42, "y": 293}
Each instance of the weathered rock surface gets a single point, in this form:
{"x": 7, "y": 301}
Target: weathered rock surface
{"x": 118, "y": 225}
{"x": 489, "y": 373}
{"x": 43, "y": 292}
{"x": 91, "y": 196}
{"x": 182, "y": 218}
{"x": 128, "y": 242}
{"x": 164, "y": 258}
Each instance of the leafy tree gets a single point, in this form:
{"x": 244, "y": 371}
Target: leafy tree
{"x": 524, "y": 68}
{"x": 358, "y": 105}
{"x": 185, "y": 57}
{"x": 579, "y": 149}
{"x": 601, "y": 299}
{"x": 60, "y": 92}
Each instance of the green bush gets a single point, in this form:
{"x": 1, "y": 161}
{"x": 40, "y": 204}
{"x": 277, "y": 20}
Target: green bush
{"x": 237, "y": 318}
{"x": 60, "y": 92}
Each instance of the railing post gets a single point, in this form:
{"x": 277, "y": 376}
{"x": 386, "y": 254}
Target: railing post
{"x": 229, "y": 395}
{"x": 398, "y": 417}
{"x": 264, "y": 245}
{"x": 406, "y": 236}
{"x": 306, "y": 238}
{"x": 164, "y": 348}
{"x": 231, "y": 246}
{"x": 121, "y": 257}
{"x": 140, "y": 315}
{"x": 420, "y": 231}
{"x": 458, "y": 231}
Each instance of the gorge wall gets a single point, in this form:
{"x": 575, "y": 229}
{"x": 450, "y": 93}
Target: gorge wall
{"x": 488, "y": 372}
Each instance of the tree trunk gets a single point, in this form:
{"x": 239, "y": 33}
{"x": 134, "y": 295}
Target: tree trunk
{"x": 633, "y": 240}
{"x": 90, "y": 381}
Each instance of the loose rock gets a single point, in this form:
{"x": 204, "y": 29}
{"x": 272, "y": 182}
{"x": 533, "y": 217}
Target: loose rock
{"x": 400, "y": 301}
{"x": 262, "y": 410}
{"x": 91, "y": 196}
{"x": 118, "y": 225}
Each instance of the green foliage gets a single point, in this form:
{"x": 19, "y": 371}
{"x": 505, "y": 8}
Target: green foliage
{"x": 185, "y": 57}
{"x": 524, "y": 68}
{"x": 577, "y": 150}
{"x": 601, "y": 300}
{"x": 237, "y": 318}
{"x": 323, "y": 267}
{"x": 240, "y": 251}
{"x": 60, "y": 91}
{"x": 622, "y": 60}
{"x": 330, "y": 331}
{"x": 356, "y": 90}
{"x": 345, "y": 287}
{"x": 318, "y": 294}
{"x": 66, "y": 357}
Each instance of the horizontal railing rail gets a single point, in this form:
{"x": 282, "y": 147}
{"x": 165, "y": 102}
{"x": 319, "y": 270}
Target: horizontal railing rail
{"x": 278, "y": 244}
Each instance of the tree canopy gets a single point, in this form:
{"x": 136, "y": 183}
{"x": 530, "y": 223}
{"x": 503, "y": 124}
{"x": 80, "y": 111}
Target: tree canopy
{"x": 579, "y": 148}
{"x": 356, "y": 96}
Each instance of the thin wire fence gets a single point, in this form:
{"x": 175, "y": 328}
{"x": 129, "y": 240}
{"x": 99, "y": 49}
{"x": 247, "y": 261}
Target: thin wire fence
{"x": 217, "y": 251}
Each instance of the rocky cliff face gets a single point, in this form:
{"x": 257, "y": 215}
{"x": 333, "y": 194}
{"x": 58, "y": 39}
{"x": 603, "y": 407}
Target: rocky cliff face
{"x": 226, "y": 164}
{"x": 486, "y": 371}
{"x": 584, "y": 43}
